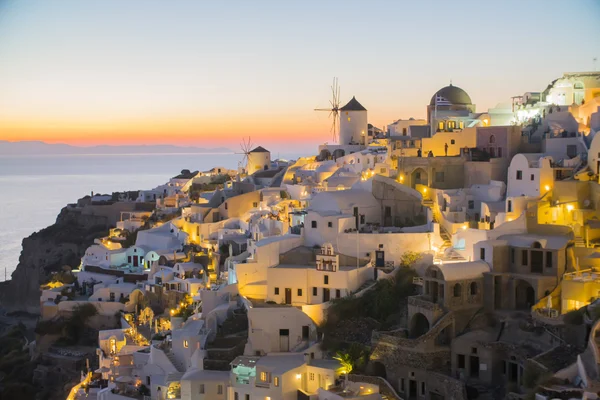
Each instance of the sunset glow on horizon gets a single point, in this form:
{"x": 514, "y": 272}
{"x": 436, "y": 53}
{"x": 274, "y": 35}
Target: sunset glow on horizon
{"x": 208, "y": 74}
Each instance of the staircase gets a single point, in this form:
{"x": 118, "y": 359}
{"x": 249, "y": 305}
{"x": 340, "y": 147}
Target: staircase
{"x": 178, "y": 366}
{"x": 579, "y": 242}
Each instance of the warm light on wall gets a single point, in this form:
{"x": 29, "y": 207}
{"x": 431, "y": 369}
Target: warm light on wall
{"x": 570, "y": 207}
{"x": 547, "y": 187}
{"x": 424, "y": 190}
{"x": 298, "y": 376}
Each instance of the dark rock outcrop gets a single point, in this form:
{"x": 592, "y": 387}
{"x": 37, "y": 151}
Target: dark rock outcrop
{"x": 46, "y": 251}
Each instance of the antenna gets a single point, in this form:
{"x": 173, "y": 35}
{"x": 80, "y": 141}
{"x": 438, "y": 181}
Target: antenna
{"x": 334, "y": 110}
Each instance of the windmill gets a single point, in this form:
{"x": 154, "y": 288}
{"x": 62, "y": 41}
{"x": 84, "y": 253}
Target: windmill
{"x": 246, "y": 147}
{"x": 334, "y": 110}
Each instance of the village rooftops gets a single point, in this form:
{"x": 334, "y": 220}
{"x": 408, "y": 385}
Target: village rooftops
{"x": 202, "y": 375}
{"x": 463, "y": 270}
{"x": 280, "y": 364}
{"x": 555, "y": 242}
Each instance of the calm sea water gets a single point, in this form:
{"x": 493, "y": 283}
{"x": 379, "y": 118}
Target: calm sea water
{"x": 33, "y": 189}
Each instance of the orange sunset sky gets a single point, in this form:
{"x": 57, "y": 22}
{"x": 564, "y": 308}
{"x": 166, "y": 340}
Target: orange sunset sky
{"x": 210, "y": 73}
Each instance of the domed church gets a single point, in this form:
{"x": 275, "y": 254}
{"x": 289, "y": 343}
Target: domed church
{"x": 451, "y": 108}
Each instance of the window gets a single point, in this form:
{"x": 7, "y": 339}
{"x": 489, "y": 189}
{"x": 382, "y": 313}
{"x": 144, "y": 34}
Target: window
{"x": 457, "y": 289}
{"x": 219, "y": 389}
{"x": 524, "y": 257}
{"x": 492, "y": 139}
{"x": 440, "y": 126}
{"x": 402, "y": 384}
{"x": 314, "y": 291}
{"x": 299, "y": 292}
{"x": 202, "y": 388}
{"x": 129, "y": 259}
{"x": 330, "y": 224}
{"x": 362, "y": 218}
{"x": 422, "y": 388}
{"x": 186, "y": 344}
{"x": 439, "y": 176}
{"x": 473, "y": 350}
{"x": 499, "y": 152}
{"x": 418, "y": 174}
{"x": 548, "y": 259}
{"x": 255, "y": 204}
{"x": 265, "y": 377}
{"x": 382, "y": 170}
{"x": 519, "y": 175}
{"x": 452, "y": 141}
{"x": 247, "y": 397}
{"x": 276, "y": 290}
{"x": 482, "y": 253}
{"x": 313, "y": 224}
{"x": 311, "y": 376}
{"x": 404, "y": 131}
{"x": 512, "y": 255}
{"x": 471, "y": 204}
{"x": 338, "y": 293}
{"x": 509, "y": 206}
{"x": 276, "y": 381}
{"x": 226, "y": 206}
{"x": 461, "y": 361}
{"x": 531, "y": 177}
{"x": 326, "y": 279}
{"x": 236, "y": 396}
{"x": 473, "y": 288}
{"x": 461, "y": 124}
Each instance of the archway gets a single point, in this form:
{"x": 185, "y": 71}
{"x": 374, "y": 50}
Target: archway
{"x": 325, "y": 155}
{"x": 419, "y": 325}
{"x": 379, "y": 370}
{"x": 338, "y": 153}
{"x": 524, "y": 295}
{"x": 419, "y": 177}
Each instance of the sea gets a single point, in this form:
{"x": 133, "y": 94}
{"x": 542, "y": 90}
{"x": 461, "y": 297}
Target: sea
{"x": 33, "y": 189}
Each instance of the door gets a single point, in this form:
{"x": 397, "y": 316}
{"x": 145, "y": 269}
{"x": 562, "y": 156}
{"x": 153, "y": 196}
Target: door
{"x": 326, "y": 295}
{"x": 288, "y": 296}
{"x": 379, "y": 258}
{"x": 284, "y": 340}
{"x": 136, "y": 261}
{"x": 474, "y": 366}
{"x": 305, "y": 332}
{"x": 412, "y": 389}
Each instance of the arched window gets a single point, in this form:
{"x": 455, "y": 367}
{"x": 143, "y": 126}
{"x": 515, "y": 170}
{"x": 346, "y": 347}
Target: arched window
{"x": 578, "y": 85}
{"x": 457, "y": 290}
{"x": 537, "y": 245}
{"x": 492, "y": 139}
{"x": 473, "y": 288}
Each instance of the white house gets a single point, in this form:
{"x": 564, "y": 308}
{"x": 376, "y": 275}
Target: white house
{"x": 530, "y": 175}
{"x": 280, "y": 376}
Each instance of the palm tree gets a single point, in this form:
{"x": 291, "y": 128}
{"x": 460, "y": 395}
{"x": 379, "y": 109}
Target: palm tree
{"x": 347, "y": 363}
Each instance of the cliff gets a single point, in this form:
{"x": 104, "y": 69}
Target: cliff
{"x": 46, "y": 251}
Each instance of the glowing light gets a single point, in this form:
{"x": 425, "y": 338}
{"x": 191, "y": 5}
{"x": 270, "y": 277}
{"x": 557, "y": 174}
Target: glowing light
{"x": 485, "y": 121}
{"x": 464, "y": 227}
{"x": 298, "y": 376}
{"x": 570, "y": 207}
{"x": 172, "y": 311}
{"x": 424, "y": 190}
{"x": 401, "y": 178}
{"x": 547, "y": 187}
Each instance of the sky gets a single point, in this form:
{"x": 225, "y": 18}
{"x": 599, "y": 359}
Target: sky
{"x": 208, "y": 73}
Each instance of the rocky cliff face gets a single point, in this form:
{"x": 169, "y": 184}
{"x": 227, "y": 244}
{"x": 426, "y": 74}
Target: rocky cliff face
{"x": 46, "y": 251}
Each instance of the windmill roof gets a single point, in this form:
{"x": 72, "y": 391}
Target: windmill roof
{"x": 259, "y": 149}
{"x": 353, "y": 105}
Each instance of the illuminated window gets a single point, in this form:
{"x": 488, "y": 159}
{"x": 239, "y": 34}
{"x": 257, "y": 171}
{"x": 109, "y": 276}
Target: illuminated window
{"x": 220, "y": 389}
{"x": 186, "y": 344}
{"x": 299, "y": 292}
{"x": 311, "y": 376}
{"x": 451, "y": 124}
{"x": 461, "y": 124}
{"x": 440, "y": 126}
{"x": 348, "y": 119}
{"x": 276, "y": 381}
